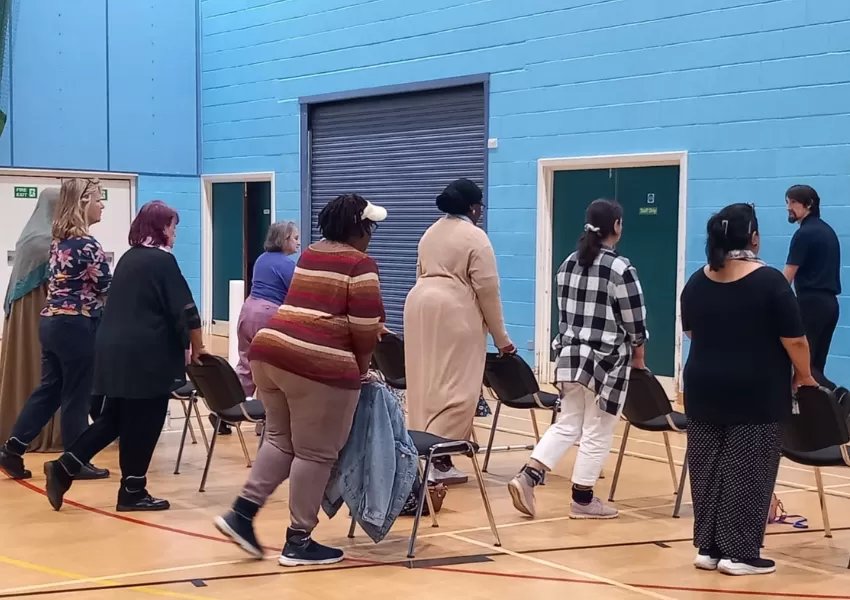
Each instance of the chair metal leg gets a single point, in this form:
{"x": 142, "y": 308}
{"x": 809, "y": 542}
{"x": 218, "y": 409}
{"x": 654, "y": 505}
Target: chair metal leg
{"x": 423, "y": 491}
{"x": 670, "y": 462}
{"x": 619, "y": 462}
{"x": 492, "y": 436}
{"x": 351, "y": 528}
{"x": 238, "y": 428}
{"x": 680, "y": 492}
{"x": 209, "y": 455}
{"x": 556, "y": 410}
{"x": 201, "y": 424}
{"x": 428, "y": 499}
{"x": 187, "y": 412}
{"x": 182, "y": 444}
{"x": 262, "y": 436}
{"x": 827, "y": 530}
{"x": 486, "y": 500}
{"x": 535, "y": 426}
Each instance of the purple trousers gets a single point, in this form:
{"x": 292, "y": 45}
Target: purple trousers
{"x": 255, "y": 315}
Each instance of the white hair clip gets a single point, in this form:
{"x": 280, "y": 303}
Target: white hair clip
{"x": 725, "y": 224}
{"x": 593, "y": 228}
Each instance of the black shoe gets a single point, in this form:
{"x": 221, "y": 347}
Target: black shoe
{"x": 241, "y": 531}
{"x": 756, "y": 566}
{"x": 90, "y": 471}
{"x": 13, "y": 464}
{"x": 301, "y": 550}
{"x": 58, "y": 483}
{"x": 145, "y": 503}
{"x": 223, "y": 428}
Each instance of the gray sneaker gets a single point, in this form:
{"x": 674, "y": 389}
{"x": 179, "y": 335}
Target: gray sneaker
{"x": 595, "y": 510}
{"x": 522, "y": 494}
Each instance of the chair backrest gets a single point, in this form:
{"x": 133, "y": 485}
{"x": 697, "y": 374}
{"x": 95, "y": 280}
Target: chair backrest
{"x": 646, "y": 398}
{"x": 389, "y": 358}
{"x": 510, "y": 377}
{"x": 820, "y": 422}
{"x": 216, "y": 382}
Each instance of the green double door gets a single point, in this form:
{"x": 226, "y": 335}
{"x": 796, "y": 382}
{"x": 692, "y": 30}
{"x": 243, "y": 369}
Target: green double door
{"x": 650, "y": 200}
{"x": 241, "y": 216}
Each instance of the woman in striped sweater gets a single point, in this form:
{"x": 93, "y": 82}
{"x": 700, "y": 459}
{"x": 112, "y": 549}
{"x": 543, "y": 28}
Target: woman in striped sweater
{"x": 308, "y": 364}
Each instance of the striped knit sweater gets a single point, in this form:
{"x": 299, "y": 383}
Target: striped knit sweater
{"x": 333, "y": 311}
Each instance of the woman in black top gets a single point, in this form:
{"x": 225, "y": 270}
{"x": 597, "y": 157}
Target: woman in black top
{"x": 746, "y": 332}
{"x": 149, "y": 323}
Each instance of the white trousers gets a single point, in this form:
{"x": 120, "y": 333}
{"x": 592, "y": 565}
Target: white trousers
{"x": 582, "y": 421}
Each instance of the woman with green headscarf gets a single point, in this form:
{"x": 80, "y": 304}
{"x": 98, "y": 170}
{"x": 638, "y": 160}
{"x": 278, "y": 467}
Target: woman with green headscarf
{"x": 20, "y": 362}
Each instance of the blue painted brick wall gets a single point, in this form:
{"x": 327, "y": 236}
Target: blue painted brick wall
{"x": 757, "y": 91}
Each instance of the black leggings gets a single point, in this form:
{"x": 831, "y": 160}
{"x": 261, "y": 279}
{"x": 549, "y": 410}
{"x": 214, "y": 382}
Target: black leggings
{"x": 136, "y": 423}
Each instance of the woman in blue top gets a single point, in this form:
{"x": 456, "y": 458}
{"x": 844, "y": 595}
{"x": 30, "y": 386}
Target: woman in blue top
{"x": 272, "y": 275}
{"x": 76, "y": 293}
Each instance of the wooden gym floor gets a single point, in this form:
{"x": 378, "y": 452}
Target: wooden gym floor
{"x": 89, "y": 551}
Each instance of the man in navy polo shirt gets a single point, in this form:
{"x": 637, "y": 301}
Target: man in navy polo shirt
{"x": 813, "y": 266}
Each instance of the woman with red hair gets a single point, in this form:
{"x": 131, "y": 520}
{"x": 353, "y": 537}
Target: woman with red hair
{"x": 148, "y": 324}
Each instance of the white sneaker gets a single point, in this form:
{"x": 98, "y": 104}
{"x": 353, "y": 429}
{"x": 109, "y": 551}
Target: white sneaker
{"x": 451, "y": 476}
{"x": 758, "y": 566}
{"x": 595, "y": 510}
{"x": 705, "y": 561}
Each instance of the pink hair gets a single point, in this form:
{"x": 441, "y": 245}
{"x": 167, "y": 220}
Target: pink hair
{"x": 150, "y": 224}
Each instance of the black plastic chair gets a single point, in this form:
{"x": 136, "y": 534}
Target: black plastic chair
{"x": 188, "y": 397}
{"x": 816, "y": 435}
{"x": 429, "y": 447}
{"x": 388, "y": 358}
{"x": 648, "y": 408}
{"x": 217, "y": 383}
{"x": 513, "y": 384}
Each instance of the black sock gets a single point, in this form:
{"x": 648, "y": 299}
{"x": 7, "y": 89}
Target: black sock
{"x": 535, "y": 475}
{"x": 582, "y": 494}
{"x": 245, "y": 508}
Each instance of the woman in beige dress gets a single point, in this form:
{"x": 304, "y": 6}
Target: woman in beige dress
{"x": 447, "y": 316}
{"x": 20, "y": 365}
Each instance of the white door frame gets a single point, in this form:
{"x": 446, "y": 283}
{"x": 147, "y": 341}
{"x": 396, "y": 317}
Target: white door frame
{"x": 207, "y": 235}
{"x": 546, "y": 168}
{"x": 59, "y": 174}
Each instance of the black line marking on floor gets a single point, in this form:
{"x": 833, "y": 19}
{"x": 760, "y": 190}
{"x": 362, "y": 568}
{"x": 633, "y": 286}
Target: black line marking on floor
{"x": 198, "y": 583}
{"x": 449, "y": 561}
{"x": 662, "y": 545}
{"x": 398, "y": 563}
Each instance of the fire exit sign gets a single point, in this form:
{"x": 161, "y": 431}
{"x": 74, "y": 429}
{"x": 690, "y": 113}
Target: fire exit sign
{"x": 26, "y": 192}
{"x": 104, "y": 194}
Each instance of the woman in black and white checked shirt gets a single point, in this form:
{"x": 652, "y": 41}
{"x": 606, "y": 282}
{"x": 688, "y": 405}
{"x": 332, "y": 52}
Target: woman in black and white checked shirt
{"x": 602, "y": 332}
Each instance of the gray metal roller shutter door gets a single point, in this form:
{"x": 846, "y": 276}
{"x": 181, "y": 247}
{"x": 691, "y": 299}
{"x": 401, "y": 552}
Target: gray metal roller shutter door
{"x": 400, "y": 152}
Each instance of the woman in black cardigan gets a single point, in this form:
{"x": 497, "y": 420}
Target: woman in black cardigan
{"x": 148, "y": 324}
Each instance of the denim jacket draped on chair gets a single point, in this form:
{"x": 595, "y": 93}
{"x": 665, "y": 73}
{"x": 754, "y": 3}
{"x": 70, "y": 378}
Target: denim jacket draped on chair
{"x": 377, "y": 466}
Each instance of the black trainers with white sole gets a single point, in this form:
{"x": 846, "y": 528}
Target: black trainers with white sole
{"x": 301, "y": 550}
{"x": 756, "y": 566}
{"x": 240, "y": 530}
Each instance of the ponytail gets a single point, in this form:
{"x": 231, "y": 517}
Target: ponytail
{"x": 600, "y": 218}
{"x": 730, "y": 229}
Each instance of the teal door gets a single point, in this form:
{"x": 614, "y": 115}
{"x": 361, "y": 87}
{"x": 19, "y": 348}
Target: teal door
{"x": 650, "y": 200}
{"x": 257, "y": 222}
{"x": 228, "y": 221}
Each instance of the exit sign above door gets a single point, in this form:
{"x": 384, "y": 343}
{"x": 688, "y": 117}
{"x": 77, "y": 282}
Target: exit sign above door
{"x": 26, "y": 192}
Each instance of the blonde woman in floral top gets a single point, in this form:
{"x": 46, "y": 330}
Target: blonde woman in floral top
{"x": 76, "y": 294}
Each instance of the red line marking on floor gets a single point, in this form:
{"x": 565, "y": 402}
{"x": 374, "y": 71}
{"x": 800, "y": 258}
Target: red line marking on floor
{"x": 213, "y": 538}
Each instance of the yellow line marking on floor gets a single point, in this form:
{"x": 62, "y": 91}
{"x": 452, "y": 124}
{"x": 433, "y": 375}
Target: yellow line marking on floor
{"x": 77, "y": 579}
{"x": 564, "y": 568}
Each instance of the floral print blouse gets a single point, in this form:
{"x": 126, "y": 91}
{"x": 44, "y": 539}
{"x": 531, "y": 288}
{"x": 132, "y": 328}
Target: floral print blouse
{"x": 79, "y": 278}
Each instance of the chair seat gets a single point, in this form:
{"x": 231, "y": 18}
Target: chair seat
{"x": 425, "y": 441}
{"x": 398, "y": 384}
{"x": 827, "y": 457}
{"x": 254, "y": 408}
{"x": 661, "y": 424}
{"x": 184, "y": 392}
{"x": 527, "y": 402}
